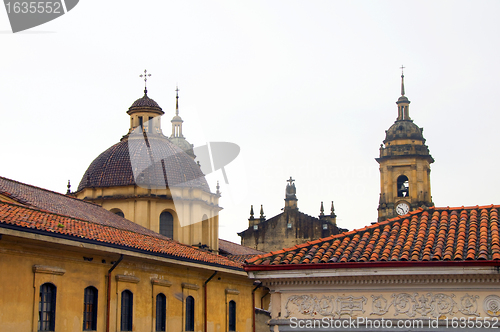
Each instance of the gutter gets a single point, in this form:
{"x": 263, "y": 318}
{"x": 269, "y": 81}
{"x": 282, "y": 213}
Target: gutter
{"x": 108, "y": 300}
{"x": 253, "y": 305}
{"x": 205, "y": 300}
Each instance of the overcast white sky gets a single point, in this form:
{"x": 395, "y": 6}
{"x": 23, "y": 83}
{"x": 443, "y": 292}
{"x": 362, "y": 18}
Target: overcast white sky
{"x": 305, "y": 88}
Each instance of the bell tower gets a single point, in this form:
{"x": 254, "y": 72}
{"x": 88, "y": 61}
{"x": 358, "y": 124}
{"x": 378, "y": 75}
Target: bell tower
{"x": 404, "y": 165}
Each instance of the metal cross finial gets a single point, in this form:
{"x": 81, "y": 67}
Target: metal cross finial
{"x": 402, "y": 69}
{"x": 146, "y": 75}
{"x": 290, "y": 180}
{"x": 177, "y": 90}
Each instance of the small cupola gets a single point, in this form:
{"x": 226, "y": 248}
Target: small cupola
{"x": 145, "y": 112}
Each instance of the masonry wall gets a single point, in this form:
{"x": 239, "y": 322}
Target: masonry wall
{"x": 26, "y": 264}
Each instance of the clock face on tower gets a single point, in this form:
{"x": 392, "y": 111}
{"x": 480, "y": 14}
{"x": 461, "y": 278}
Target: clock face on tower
{"x": 402, "y": 208}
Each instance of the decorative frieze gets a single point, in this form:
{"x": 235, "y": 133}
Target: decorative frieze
{"x": 409, "y": 305}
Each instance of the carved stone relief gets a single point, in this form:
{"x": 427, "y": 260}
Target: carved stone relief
{"x": 410, "y": 305}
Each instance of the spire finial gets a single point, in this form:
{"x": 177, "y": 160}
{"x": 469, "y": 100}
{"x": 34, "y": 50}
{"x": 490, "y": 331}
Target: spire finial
{"x": 146, "y": 75}
{"x": 262, "y": 212}
{"x": 218, "y": 188}
{"x": 69, "y": 188}
{"x": 176, "y": 100}
{"x": 251, "y": 211}
{"x": 402, "y": 81}
{"x": 321, "y": 210}
{"x": 332, "y": 211}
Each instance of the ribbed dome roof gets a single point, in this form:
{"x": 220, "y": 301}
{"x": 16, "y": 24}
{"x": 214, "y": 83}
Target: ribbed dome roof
{"x": 404, "y": 129}
{"x": 155, "y": 162}
{"x": 145, "y": 102}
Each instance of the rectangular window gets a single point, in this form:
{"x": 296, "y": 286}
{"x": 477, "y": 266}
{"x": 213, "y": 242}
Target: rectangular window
{"x": 127, "y": 311}
{"x": 47, "y": 308}
{"x": 90, "y": 309}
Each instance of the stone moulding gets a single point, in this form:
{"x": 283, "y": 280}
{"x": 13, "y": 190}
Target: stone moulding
{"x": 48, "y": 270}
{"x": 161, "y": 282}
{"x": 232, "y": 291}
{"x": 127, "y": 278}
{"x": 190, "y": 286}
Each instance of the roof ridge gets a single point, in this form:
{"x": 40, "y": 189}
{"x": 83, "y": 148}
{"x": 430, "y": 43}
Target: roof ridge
{"x": 50, "y": 191}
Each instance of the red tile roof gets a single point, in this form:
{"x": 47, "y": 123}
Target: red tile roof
{"x": 436, "y": 234}
{"x": 50, "y": 213}
{"x": 30, "y": 219}
{"x": 232, "y": 248}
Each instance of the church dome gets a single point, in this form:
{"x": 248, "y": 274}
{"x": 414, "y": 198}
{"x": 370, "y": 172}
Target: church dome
{"x": 145, "y": 102}
{"x": 404, "y": 129}
{"x": 152, "y": 163}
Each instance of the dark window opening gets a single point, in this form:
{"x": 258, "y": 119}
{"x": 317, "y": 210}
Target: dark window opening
{"x": 403, "y": 186}
{"x": 161, "y": 312}
{"x": 47, "y": 308}
{"x": 167, "y": 224}
{"x": 232, "y": 316}
{"x": 189, "y": 313}
{"x": 90, "y": 309}
{"x": 127, "y": 310}
{"x": 119, "y": 213}
{"x": 140, "y": 121}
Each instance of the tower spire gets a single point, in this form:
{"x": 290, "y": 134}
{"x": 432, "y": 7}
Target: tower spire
{"x": 403, "y": 102}
{"x": 402, "y": 81}
{"x": 176, "y": 100}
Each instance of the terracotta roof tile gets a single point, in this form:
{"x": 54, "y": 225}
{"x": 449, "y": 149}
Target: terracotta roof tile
{"x": 31, "y": 218}
{"x": 43, "y": 210}
{"x": 437, "y": 234}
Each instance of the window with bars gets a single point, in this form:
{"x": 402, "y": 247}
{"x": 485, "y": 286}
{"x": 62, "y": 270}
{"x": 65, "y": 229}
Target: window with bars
{"x": 47, "y": 307}
{"x": 161, "y": 312}
{"x": 167, "y": 224}
{"x": 189, "y": 313}
{"x": 90, "y": 309}
{"x": 232, "y": 316}
{"x": 126, "y": 311}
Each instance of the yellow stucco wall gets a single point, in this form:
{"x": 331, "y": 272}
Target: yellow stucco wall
{"x": 73, "y": 268}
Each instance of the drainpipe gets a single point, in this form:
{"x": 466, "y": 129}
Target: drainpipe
{"x": 253, "y": 304}
{"x": 205, "y": 299}
{"x": 108, "y": 304}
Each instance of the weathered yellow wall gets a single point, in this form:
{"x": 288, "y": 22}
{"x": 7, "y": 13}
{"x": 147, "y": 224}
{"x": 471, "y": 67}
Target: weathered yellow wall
{"x": 20, "y": 286}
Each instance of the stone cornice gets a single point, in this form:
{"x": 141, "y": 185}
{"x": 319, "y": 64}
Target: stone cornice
{"x": 48, "y": 270}
{"x": 127, "y": 278}
{"x": 190, "y": 286}
{"x": 161, "y": 282}
{"x": 410, "y": 280}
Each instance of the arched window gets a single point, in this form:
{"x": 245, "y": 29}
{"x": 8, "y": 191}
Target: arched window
{"x": 189, "y": 313}
{"x": 118, "y": 212}
{"x": 403, "y": 186}
{"x": 47, "y": 308}
{"x": 127, "y": 310}
{"x": 167, "y": 224}
{"x": 90, "y": 309}
{"x": 205, "y": 231}
{"x": 232, "y": 316}
{"x": 161, "y": 312}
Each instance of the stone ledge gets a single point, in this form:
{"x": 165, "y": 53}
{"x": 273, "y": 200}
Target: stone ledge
{"x": 48, "y": 270}
{"x": 161, "y": 282}
{"x": 126, "y": 278}
{"x": 232, "y": 291}
{"x": 190, "y": 286}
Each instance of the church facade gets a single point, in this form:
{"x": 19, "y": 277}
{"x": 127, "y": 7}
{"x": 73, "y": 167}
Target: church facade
{"x": 288, "y": 228}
